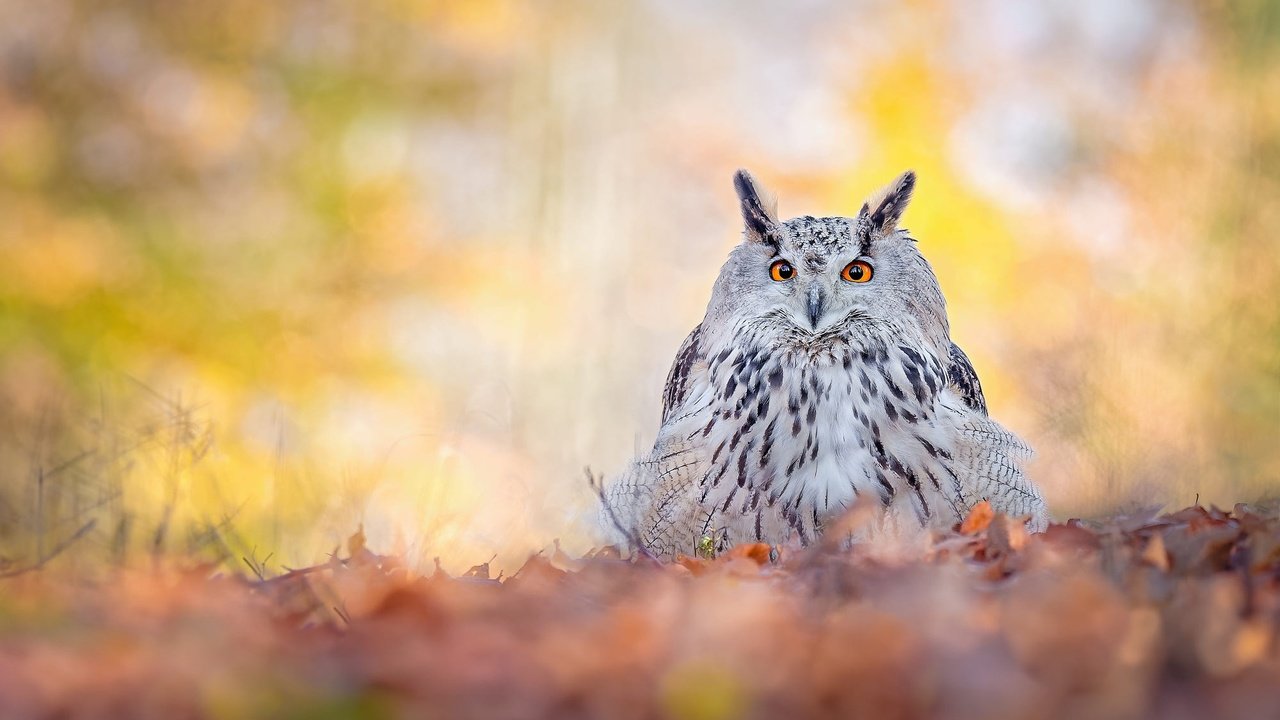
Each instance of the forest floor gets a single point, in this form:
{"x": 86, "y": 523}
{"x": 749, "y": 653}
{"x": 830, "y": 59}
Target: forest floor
{"x": 1147, "y": 615}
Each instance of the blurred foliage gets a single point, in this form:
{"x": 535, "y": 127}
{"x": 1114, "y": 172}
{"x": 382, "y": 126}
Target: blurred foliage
{"x": 1144, "y": 616}
{"x": 271, "y": 270}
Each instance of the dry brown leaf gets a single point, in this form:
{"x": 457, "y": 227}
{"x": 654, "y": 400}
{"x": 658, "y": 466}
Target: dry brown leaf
{"x": 696, "y": 566}
{"x": 757, "y": 552}
{"x": 1071, "y": 622}
{"x": 859, "y": 516}
{"x": 1069, "y": 537}
{"x": 1006, "y": 535}
{"x": 1195, "y": 512}
{"x": 1139, "y": 519}
{"x": 355, "y": 543}
{"x": 479, "y": 572}
{"x": 1200, "y": 546}
{"x": 1154, "y": 553}
{"x": 539, "y": 572}
{"x": 978, "y": 519}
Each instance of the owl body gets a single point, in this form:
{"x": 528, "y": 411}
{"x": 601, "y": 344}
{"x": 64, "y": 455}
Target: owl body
{"x": 822, "y": 373}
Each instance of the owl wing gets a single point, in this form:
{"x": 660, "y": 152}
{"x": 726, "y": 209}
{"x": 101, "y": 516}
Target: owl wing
{"x": 963, "y": 379}
{"x": 688, "y": 358}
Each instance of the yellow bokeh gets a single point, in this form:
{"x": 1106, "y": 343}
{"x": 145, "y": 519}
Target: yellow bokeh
{"x": 272, "y": 272}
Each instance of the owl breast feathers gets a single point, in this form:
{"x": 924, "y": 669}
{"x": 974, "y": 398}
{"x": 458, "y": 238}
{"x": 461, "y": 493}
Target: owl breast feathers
{"x": 822, "y": 373}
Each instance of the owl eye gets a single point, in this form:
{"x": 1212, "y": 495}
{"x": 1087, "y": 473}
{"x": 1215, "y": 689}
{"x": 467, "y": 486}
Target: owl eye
{"x": 781, "y": 271}
{"x": 858, "y": 271}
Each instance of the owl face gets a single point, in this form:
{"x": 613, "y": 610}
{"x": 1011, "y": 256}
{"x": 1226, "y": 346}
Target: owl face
{"x": 825, "y": 280}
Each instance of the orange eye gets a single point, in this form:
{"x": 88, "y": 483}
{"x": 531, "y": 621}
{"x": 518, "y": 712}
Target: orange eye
{"x": 781, "y": 271}
{"x": 858, "y": 271}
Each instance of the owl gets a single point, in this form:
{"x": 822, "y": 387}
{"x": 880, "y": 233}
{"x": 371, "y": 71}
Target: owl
{"x": 822, "y": 373}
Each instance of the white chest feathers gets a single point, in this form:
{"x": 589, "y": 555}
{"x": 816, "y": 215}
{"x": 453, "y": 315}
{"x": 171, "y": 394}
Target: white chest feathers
{"x": 805, "y": 436}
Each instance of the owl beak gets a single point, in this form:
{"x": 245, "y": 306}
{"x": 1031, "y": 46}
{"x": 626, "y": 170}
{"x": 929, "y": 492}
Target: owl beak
{"x": 817, "y": 305}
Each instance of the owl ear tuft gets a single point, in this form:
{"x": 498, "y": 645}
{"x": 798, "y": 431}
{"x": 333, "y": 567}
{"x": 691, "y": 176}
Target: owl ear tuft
{"x": 759, "y": 207}
{"x": 883, "y": 209}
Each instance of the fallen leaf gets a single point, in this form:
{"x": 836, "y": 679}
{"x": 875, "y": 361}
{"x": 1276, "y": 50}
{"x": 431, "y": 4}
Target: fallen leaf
{"x": 355, "y": 543}
{"x": 480, "y": 571}
{"x": 1071, "y": 536}
{"x": 1006, "y": 535}
{"x": 696, "y": 566}
{"x": 759, "y": 552}
{"x": 978, "y": 519}
{"x": 1200, "y": 549}
{"x": 1154, "y": 553}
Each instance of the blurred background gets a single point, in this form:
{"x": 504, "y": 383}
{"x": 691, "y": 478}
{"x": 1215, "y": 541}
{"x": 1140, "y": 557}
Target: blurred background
{"x": 271, "y": 271}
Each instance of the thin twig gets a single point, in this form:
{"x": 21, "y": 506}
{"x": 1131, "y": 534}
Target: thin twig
{"x": 57, "y": 550}
{"x": 68, "y": 463}
{"x": 253, "y": 567}
{"x": 342, "y": 614}
{"x": 298, "y": 572}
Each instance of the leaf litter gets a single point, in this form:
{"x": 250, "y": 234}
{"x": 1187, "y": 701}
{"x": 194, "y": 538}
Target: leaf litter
{"x": 1145, "y": 615}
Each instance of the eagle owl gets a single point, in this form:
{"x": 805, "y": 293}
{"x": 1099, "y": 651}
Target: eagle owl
{"x": 823, "y": 372}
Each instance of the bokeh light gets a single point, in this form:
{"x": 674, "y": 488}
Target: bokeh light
{"x": 271, "y": 271}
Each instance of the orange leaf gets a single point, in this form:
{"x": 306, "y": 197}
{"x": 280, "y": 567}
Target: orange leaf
{"x": 759, "y": 552}
{"x": 697, "y": 566}
{"x": 980, "y": 516}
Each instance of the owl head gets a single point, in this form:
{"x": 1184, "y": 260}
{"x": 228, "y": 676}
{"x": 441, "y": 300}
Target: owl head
{"x": 812, "y": 280}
